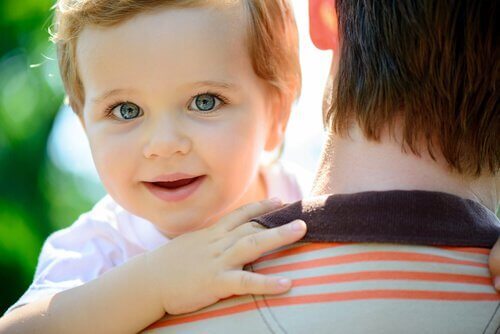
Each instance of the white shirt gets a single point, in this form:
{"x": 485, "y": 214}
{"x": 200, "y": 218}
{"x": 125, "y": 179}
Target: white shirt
{"x": 108, "y": 236}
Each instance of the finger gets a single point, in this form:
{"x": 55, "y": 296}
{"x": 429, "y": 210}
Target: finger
{"x": 251, "y": 247}
{"x": 231, "y": 237}
{"x": 244, "y": 230}
{"x": 494, "y": 261}
{"x": 243, "y": 282}
{"x": 243, "y": 214}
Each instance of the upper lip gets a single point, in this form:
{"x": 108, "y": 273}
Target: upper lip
{"x": 173, "y": 177}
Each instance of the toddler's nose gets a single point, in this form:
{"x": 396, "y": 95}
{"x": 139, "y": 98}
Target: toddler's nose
{"x": 165, "y": 140}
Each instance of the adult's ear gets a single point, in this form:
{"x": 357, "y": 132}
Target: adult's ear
{"x": 323, "y": 24}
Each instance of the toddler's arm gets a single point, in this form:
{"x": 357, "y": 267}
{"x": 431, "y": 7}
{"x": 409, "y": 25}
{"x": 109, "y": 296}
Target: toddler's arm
{"x": 190, "y": 272}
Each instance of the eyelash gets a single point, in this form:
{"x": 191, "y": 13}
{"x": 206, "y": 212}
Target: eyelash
{"x": 222, "y": 98}
{"x": 108, "y": 111}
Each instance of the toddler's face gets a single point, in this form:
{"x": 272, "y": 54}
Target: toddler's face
{"x": 175, "y": 115}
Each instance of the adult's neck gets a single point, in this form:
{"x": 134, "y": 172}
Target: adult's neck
{"x": 351, "y": 164}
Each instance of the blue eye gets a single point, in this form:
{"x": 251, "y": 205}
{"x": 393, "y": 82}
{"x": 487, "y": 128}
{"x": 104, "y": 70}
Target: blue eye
{"x": 204, "y": 103}
{"x": 126, "y": 110}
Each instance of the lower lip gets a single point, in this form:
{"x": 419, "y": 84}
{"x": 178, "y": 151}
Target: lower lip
{"x": 175, "y": 195}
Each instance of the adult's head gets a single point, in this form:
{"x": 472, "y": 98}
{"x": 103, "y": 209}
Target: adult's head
{"x": 428, "y": 69}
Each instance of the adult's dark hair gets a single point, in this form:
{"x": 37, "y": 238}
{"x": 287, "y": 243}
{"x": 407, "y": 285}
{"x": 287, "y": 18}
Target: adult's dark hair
{"x": 433, "y": 66}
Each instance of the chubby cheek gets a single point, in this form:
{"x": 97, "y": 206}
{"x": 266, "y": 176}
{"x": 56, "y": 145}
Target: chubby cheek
{"x": 113, "y": 160}
{"x": 235, "y": 154}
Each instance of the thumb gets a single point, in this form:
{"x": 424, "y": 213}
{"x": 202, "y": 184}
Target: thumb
{"x": 494, "y": 262}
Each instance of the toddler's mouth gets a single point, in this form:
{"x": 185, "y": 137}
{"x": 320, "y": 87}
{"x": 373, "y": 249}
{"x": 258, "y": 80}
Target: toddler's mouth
{"x": 174, "y": 188}
{"x": 177, "y": 183}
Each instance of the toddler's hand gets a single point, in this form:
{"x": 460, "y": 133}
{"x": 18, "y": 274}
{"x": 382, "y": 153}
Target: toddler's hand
{"x": 199, "y": 268}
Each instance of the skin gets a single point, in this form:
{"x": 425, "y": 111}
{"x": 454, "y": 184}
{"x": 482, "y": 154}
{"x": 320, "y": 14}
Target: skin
{"x": 158, "y": 61}
{"x": 130, "y": 297}
{"x": 165, "y": 59}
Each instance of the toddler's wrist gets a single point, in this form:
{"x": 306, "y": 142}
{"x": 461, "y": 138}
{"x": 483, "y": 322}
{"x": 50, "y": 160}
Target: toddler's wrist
{"x": 151, "y": 280}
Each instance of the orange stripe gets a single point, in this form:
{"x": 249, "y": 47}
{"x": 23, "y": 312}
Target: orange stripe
{"x": 205, "y": 315}
{"x": 384, "y": 294}
{"x": 473, "y": 250}
{"x": 392, "y": 275}
{"x": 298, "y": 250}
{"x": 320, "y": 246}
{"x": 367, "y": 257}
{"x": 334, "y": 297}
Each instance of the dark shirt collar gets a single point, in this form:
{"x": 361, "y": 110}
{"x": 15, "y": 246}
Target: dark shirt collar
{"x": 407, "y": 217}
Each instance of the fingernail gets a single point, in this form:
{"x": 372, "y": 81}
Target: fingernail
{"x": 298, "y": 225}
{"x": 285, "y": 282}
{"x": 496, "y": 282}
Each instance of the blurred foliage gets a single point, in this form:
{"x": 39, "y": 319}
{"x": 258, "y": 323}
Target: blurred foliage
{"x": 36, "y": 197}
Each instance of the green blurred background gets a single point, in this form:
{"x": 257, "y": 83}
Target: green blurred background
{"x": 36, "y": 196}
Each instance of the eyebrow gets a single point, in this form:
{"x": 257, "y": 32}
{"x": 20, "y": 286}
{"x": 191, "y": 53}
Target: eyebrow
{"x": 98, "y": 99}
{"x": 223, "y": 85}
{"x": 219, "y": 84}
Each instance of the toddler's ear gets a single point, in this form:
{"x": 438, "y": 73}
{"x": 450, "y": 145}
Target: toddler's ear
{"x": 323, "y": 24}
{"x": 279, "y": 115}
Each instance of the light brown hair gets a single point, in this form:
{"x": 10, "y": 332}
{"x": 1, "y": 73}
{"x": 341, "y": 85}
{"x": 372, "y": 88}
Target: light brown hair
{"x": 433, "y": 65}
{"x": 272, "y": 37}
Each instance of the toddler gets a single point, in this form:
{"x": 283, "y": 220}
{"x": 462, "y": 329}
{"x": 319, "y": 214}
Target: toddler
{"x": 178, "y": 100}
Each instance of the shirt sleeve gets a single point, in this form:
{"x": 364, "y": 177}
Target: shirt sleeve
{"x": 72, "y": 257}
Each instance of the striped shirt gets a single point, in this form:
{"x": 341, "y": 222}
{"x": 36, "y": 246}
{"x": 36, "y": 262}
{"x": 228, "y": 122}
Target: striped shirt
{"x": 369, "y": 287}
